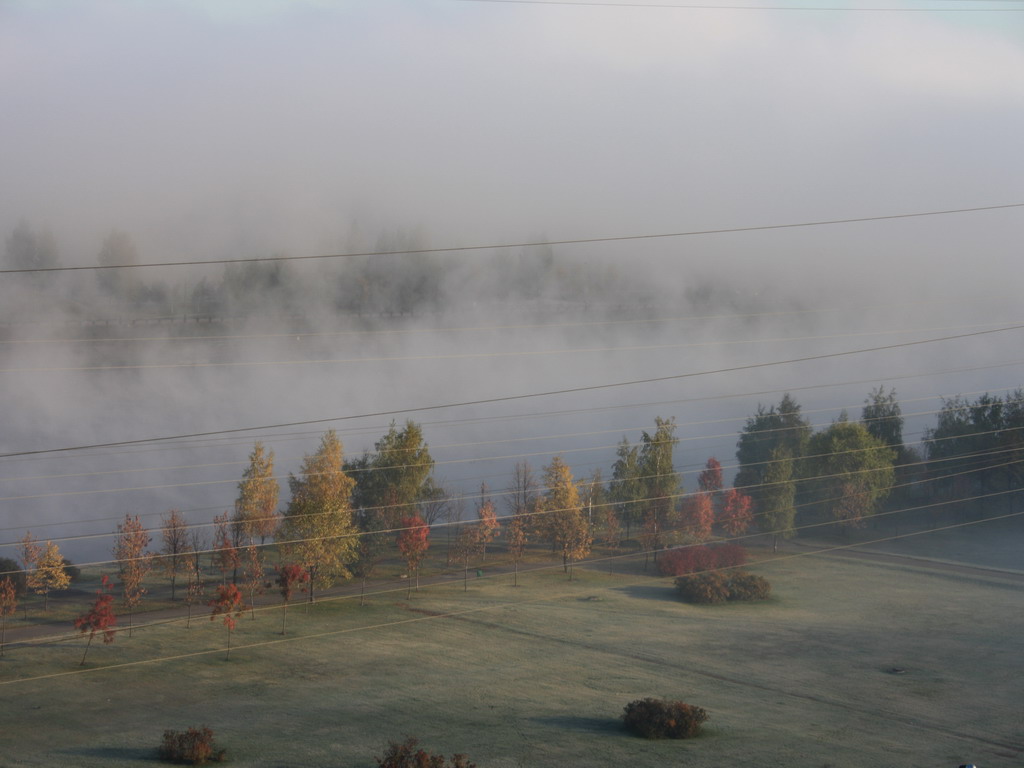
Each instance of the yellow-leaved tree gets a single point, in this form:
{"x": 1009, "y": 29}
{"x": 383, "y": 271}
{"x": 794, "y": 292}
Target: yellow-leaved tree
{"x": 49, "y": 573}
{"x": 318, "y": 530}
{"x": 256, "y": 505}
{"x": 567, "y": 525}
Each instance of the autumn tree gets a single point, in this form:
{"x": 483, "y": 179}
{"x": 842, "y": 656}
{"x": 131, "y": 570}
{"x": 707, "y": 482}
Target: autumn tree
{"x": 373, "y": 543}
{"x": 195, "y": 585}
{"x": 568, "y": 525}
{"x": 99, "y": 618}
{"x": 413, "y": 543}
{"x": 736, "y": 515}
{"x": 175, "y": 552}
{"x": 593, "y": 496}
{"x": 781, "y": 428}
{"x": 395, "y": 477}
{"x": 8, "y": 605}
{"x": 228, "y": 605}
{"x": 698, "y": 516}
{"x": 776, "y": 503}
{"x": 30, "y": 551}
{"x": 467, "y": 545}
{"x": 290, "y": 577}
{"x": 133, "y": 563}
{"x": 612, "y": 528}
{"x": 15, "y": 571}
{"x": 660, "y": 483}
{"x": 49, "y": 573}
{"x": 258, "y": 493}
{"x": 226, "y": 557}
{"x": 488, "y": 526}
{"x": 517, "y": 538}
{"x": 852, "y": 472}
{"x": 253, "y": 571}
{"x": 626, "y": 489}
{"x": 318, "y": 530}
{"x": 710, "y": 478}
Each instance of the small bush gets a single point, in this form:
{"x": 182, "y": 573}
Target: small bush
{"x": 703, "y": 588}
{"x": 748, "y": 586}
{"x": 663, "y": 719}
{"x": 716, "y": 587}
{"x": 194, "y": 746}
{"x": 406, "y": 755}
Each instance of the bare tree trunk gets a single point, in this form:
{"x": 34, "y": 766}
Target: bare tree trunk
{"x": 82, "y": 662}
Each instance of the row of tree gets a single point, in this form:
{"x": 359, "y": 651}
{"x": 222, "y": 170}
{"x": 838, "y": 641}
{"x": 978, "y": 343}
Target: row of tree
{"x": 344, "y": 516}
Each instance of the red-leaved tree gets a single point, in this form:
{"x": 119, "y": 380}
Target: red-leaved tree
{"x": 710, "y": 479}
{"x": 413, "y": 543}
{"x": 289, "y": 577}
{"x": 699, "y": 516}
{"x": 99, "y": 618}
{"x": 226, "y": 557}
{"x": 228, "y": 603}
{"x": 488, "y": 526}
{"x": 133, "y": 564}
{"x": 737, "y": 513}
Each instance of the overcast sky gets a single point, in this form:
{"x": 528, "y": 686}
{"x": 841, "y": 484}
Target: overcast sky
{"x": 212, "y": 128}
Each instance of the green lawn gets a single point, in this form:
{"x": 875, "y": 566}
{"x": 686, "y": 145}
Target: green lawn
{"x": 537, "y": 676}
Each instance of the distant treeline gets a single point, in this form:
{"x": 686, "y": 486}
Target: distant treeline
{"x": 388, "y": 284}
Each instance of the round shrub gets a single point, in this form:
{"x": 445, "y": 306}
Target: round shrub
{"x": 193, "y": 747}
{"x": 703, "y": 588}
{"x": 748, "y": 586}
{"x": 663, "y": 719}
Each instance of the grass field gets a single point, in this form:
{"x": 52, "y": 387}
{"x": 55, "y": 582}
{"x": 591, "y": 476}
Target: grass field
{"x": 538, "y": 676}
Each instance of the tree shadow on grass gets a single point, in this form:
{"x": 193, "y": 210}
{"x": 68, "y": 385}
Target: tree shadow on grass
{"x": 583, "y": 724}
{"x": 645, "y": 592}
{"x": 115, "y": 754}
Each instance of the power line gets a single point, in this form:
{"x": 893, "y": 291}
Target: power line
{"x": 703, "y": 7}
{"x": 531, "y": 244}
{"x": 509, "y": 398}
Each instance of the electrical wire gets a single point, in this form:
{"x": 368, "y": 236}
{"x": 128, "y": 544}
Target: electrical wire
{"x": 707, "y": 7}
{"x": 509, "y": 398}
{"x": 531, "y": 244}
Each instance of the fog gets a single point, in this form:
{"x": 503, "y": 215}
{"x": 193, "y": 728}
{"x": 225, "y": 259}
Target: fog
{"x": 304, "y": 128}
